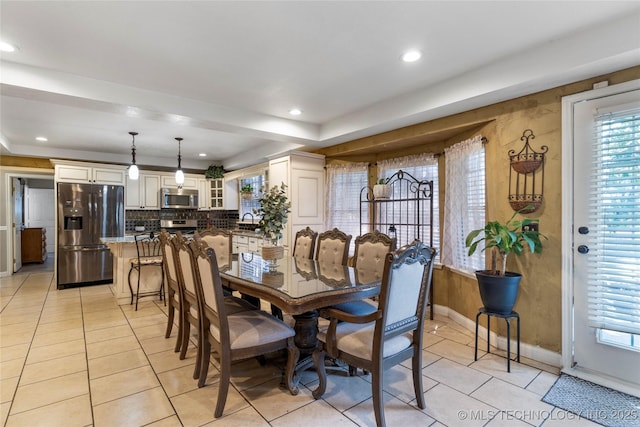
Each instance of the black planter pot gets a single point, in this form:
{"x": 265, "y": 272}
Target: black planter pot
{"x": 498, "y": 293}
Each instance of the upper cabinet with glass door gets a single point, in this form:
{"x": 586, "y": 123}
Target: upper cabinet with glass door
{"x": 216, "y": 193}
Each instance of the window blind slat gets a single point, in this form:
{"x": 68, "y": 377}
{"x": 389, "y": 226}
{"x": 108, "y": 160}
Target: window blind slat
{"x": 614, "y": 216}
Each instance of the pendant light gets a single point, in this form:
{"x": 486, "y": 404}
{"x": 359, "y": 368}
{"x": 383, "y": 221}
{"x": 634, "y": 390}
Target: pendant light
{"x": 179, "y": 173}
{"x": 133, "y": 168}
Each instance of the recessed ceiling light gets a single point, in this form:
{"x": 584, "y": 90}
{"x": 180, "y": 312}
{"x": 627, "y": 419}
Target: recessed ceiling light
{"x": 411, "y": 56}
{"x": 295, "y": 111}
{"x": 202, "y": 154}
{"x": 41, "y": 138}
{"x": 6, "y": 47}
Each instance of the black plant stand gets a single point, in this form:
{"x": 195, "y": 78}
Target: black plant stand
{"x": 507, "y": 317}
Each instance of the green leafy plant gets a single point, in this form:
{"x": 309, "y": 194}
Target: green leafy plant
{"x": 214, "y": 172}
{"x": 273, "y": 211}
{"x": 512, "y": 236}
{"x": 247, "y": 188}
{"x": 382, "y": 181}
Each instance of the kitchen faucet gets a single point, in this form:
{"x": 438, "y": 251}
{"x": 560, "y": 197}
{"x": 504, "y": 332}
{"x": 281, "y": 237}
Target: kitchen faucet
{"x": 248, "y": 213}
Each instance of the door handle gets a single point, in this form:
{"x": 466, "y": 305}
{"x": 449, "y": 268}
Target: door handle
{"x": 583, "y": 249}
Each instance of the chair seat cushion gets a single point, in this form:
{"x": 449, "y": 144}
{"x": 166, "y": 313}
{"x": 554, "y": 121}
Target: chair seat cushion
{"x": 254, "y": 327}
{"x": 357, "y": 308}
{"x": 148, "y": 260}
{"x": 357, "y": 339}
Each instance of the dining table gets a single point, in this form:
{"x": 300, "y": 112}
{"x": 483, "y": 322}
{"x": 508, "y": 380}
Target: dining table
{"x": 299, "y": 287}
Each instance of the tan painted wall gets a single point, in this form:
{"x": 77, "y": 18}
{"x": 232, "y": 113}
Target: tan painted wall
{"x": 539, "y": 302}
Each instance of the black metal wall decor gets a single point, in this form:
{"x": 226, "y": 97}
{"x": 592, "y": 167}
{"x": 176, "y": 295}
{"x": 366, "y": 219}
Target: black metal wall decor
{"x": 526, "y": 176}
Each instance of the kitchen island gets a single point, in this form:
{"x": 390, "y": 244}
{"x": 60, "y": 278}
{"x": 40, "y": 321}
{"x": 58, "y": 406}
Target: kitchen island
{"x": 123, "y": 250}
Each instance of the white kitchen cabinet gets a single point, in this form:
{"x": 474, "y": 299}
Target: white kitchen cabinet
{"x": 143, "y": 193}
{"x": 211, "y": 194}
{"x": 204, "y": 202}
{"x": 303, "y": 173}
{"x": 240, "y": 244}
{"x": 231, "y": 196}
{"x": 216, "y": 195}
{"x": 89, "y": 173}
{"x": 190, "y": 182}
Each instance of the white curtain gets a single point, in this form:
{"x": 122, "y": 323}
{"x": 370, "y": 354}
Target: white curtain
{"x": 411, "y": 164}
{"x": 464, "y": 208}
{"x": 343, "y": 185}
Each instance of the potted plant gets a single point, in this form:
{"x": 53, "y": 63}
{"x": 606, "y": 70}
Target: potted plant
{"x": 498, "y": 287}
{"x": 214, "y": 172}
{"x": 382, "y": 190}
{"x": 246, "y": 191}
{"x": 273, "y": 212}
{"x": 139, "y": 225}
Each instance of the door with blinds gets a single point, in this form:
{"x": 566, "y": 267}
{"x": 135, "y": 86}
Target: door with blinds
{"x": 606, "y": 237}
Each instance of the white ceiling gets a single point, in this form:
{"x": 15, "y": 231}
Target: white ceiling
{"x": 223, "y": 75}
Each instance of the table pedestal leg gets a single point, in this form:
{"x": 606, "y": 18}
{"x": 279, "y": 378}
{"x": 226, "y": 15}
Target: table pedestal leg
{"x": 306, "y": 340}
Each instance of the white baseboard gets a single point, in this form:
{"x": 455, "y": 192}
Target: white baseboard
{"x": 529, "y": 351}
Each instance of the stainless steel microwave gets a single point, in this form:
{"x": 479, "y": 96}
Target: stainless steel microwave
{"x": 174, "y": 198}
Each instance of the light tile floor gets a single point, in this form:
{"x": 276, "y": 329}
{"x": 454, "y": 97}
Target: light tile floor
{"x": 76, "y": 358}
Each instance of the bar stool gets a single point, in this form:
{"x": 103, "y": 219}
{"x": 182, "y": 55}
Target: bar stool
{"x": 149, "y": 249}
{"x": 507, "y": 317}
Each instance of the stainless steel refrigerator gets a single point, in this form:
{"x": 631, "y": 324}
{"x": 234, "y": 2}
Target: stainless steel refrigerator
{"x": 87, "y": 212}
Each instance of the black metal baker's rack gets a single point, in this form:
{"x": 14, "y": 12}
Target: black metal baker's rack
{"x": 406, "y": 214}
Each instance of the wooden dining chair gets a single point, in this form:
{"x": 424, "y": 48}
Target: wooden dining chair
{"x": 192, "y": 308}
{"x": 221, "y": 242}
{"x": 305, "y": 243}
{"x": 149, "y": 257}
{"x": 333, "y": 247}
{"x": 370, "y": 252}
{"x": 391, "y": 334}
{"x": 174, "y": 297}
{"x": 235, "y": 336}
{"x": 187, "y": 285}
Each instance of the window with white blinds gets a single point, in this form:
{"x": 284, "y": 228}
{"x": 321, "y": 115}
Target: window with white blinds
{"x": 258, "y": 183}
{"x": 614, "y": 223}
{"x": 465, "y": 203}
{"x": 344, "y": 182}
{"x": 423, "y": 167}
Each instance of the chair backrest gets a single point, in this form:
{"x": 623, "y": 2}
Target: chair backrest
{"x": 221, "y": 242}
{"x": 183, "y": 264}
{"x": 209, "y": 289}
{"x": 305, "y": 267}
{"x": 148, "y": 245}
{"x": 333, "y": 247}
{"x": 405, "y": 289}
{"x": 305, "y": 243}
{"x": 370, "y": 252}
{"x": 334, "y": 275}
{"x": 168, "y": 259}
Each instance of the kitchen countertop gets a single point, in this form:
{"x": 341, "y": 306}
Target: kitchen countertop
{"x": 129, "y": 238}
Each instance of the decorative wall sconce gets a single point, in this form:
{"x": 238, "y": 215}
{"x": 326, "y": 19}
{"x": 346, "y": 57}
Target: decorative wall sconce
{"x": 526, "y": 176}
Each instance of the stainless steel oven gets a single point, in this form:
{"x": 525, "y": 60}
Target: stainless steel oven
{"x": 175, "y": 198}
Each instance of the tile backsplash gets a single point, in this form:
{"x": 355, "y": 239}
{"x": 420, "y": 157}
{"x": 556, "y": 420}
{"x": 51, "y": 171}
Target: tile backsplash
{"x": 151, "y": 219}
